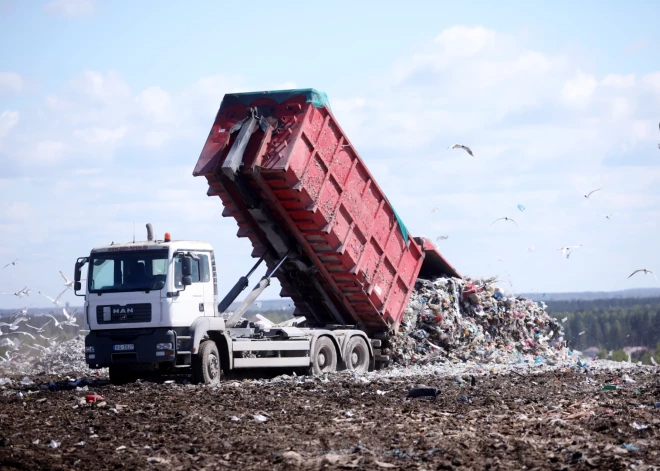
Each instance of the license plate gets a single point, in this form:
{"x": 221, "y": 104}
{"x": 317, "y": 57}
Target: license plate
{"x": 126, "y": 346}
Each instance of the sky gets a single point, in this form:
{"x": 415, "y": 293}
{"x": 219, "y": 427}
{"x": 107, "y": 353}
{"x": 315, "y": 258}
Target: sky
{"x": 105, "y": 107}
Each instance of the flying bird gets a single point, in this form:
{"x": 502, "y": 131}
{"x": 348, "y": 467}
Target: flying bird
{"x": 38, "y": 329}
{"x": 20, "y": 294}
{"x": 11, "y": 263}
{"x": 646, "y": 272}
{"x": 505, "y": 218}
{"x": 609, "y": 216}
{"x": 15, "y": 322}
{"x": 531, "y": 248}
{"x": 55, "y": 301}
{"x": 587, "y": 195}
{"x": 460, "y": 146}
{"x": 567, "y": 249}
{"x": 68, "y": 283}
{"x": 435, "y": 209}
{"x": 24, "y": 333}
{"x": 442, "y": 237}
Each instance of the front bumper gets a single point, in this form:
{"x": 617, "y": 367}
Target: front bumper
{"x": 144, "y": 343}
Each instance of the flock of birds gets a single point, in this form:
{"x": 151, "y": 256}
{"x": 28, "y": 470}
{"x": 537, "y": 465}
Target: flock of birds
{"x": 566, "y": 250}
{"x": 20, "y": 321}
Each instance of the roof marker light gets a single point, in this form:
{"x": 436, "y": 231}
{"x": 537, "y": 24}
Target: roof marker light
{"x": 167, "y": 237}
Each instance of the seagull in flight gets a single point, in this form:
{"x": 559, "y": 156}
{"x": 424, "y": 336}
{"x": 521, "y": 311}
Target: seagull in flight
{"x": 435, "y": 209}
{"x": 20, "y": 294}
{"x": 55, "y": 301}
{"x": 609, "y": 216}
{"x": 567, "y": 249}
{"x": 587, "y": 195}
{"x": 24, "y": 333}
{"x": 646, "y": 272}
{"x": 11, "y": 263}
{"x": 442, "y": 237}
{"x": 15, "y": 322}
{"x": 460, "y": 146}
{"x": 38, "y": 329}
{"x": 67, "y": 282}
{"x": 505, "y": 218}
{"x": 70, "y": 319}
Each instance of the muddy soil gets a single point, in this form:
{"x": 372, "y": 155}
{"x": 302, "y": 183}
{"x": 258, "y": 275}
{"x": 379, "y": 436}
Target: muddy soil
{"x": 556, "y": 420}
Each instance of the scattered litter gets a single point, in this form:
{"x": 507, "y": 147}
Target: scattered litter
{"x": 35, "y": 442}
{"x": 630, "y": 447}
{"x": 93, "y": 398}
{"x": 421, "y": 390}
{"x": 235, "y": 419}
{"x": 26, "y": 382}
{"x": 640, "y": 426}
{"x": 609, "y": 387}
{"x": 628, "y": 379}
{"x": 54, "y": 444}
{"x": 260, "y": 418}
{"x": 120, "y": 448}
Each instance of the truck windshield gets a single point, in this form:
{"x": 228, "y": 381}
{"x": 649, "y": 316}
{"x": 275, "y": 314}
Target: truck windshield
{"x": 112, "y": 272}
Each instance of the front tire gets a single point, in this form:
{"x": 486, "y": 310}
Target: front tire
{"x": 206, "y": 367}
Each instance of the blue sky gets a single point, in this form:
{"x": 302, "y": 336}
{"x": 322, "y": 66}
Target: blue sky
{"x": 104, "y": 107}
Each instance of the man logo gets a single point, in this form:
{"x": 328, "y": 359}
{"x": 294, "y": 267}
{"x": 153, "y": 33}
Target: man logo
{"x": 123, "y": 310}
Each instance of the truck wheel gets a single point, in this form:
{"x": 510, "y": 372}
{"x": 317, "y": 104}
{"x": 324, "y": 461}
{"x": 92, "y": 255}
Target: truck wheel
{"x": 324, "y": 357}
{"x": 356, "y": 355}
{"x": 206, "y": 364}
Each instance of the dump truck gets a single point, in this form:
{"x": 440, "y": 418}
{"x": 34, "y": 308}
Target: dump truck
{"x": 284, "y": 169}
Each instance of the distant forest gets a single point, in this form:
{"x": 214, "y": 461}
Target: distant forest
{"x": 609, "y": 324}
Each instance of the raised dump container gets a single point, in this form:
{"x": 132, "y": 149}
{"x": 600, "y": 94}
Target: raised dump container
{"x": 288, "y": 174}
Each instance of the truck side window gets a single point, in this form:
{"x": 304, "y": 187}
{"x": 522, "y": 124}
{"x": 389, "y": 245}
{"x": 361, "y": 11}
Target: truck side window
{"x": 197, "y": 270}
{"x": 204, "y": 268}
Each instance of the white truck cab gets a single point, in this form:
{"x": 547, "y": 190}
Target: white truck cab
{"x": 152, "y": 306}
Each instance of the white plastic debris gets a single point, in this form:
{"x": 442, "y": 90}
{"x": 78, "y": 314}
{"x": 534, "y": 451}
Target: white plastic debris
{"x": 260, "y": 418}
{"x": 54, "y": 444}
{"x": 639, "y": 426}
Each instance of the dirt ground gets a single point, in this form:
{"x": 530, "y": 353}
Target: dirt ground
{"x": 557, "y": 420}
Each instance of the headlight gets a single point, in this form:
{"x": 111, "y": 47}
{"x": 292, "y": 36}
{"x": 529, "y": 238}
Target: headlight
{"x": 164, "y": 346}
{"x": 89, "y": 349}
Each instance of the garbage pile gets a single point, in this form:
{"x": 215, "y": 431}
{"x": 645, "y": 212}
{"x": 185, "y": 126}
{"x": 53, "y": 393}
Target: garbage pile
{"x": 62, "y": 358}
{"x": 472, "y": 319}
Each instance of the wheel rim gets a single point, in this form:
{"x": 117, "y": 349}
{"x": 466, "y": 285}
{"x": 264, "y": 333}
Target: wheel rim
{"x": 323, "y": 359}
{"x": 213, "y": 367}
{"x": 358, "y": 358}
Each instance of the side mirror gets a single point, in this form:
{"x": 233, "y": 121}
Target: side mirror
{"x": 186, "y": 270}
{"x": 77, "y": 285}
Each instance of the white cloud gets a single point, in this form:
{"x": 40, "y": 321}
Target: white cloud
{"x": 48, "y": 152}
{"x": 8, "y": 119}
{"x": 619, "y": 81}
{"x": 156, "y": 104}
{"x": 71, "y": 8}
{"x": 579, "y": 90}
{"x": 10, "y": 83}
{"x": 101, "y": 136}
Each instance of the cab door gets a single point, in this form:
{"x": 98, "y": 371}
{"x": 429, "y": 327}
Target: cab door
{"x": 188, "y": 304}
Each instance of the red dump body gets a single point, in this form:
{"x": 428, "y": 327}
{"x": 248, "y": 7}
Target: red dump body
{"x": 290, "y": 177}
